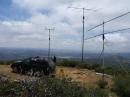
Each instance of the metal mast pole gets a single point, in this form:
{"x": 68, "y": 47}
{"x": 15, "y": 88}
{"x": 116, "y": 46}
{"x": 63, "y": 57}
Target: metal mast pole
{"x": 49, "y": 44}
{"x": 83, "y": 39}
{"x": 103, "y": 37}
{"x": 82, "y": 56}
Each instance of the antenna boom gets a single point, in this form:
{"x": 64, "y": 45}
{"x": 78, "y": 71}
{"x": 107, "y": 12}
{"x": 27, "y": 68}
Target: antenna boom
{"x": 109, "y": 20}
{"x": 119, "y": 31}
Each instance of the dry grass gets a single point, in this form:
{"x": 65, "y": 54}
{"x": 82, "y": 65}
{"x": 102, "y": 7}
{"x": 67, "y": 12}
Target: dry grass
{"x": 6, "y": 70}
{"x": 83, "y": 76}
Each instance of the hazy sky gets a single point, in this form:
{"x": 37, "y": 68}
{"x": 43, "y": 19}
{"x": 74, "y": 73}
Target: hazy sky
{"x": 23, "y": 23}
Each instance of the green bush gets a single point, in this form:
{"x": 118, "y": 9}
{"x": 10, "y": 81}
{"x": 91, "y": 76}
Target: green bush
{"x": 78, "y": 64}
{"x": 84, "y": 66}
{"x": 100, "y": 70}
{"x": 95, "y": 66}
{"x": 122, "y": 85}
{"x": 96, "y": 92}
{"x": 8, "y": 89}
{"x": 48, "y": 87}
{"x": 102, "y": 84}
{"x": 45, "y": 87}
{"x": 69, "y": 63}
{"x": 6, "y": 62}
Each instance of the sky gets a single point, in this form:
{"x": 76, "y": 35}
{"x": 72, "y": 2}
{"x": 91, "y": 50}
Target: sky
{"x": 23, "y": 24}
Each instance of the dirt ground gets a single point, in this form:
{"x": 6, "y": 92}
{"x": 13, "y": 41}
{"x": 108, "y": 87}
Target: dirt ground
{"x": 82, "y": 76}
{"x": 6, "y": 70}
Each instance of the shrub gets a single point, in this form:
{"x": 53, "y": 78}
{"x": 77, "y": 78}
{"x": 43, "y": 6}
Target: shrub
{"x": 84, "y": 66}
{"x": 6, "y": 62}
{"x": 102, "y": 84}
{"x": 48, "y": 87}
{"x": 95, "y": 66}
{"x": 44, "y": 87}
{"x": 69, "y": 63}
{"x": 8, "y": 89}
{"x": 97, "y": 92}
{"x": 100, "y": 70}
{"x": 122, "y": 85}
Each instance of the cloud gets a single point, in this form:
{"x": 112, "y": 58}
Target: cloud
{"x": 67, "y": 23}
{"x": 38, "y": 5}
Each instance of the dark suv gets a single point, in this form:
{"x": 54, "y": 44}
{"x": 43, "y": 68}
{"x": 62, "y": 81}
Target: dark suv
{"x": 34, "y": 65}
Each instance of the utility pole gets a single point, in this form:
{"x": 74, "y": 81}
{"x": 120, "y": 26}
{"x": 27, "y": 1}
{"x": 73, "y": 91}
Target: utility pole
{"x": 83, "y": 9}
{"x": 49, "y": 38}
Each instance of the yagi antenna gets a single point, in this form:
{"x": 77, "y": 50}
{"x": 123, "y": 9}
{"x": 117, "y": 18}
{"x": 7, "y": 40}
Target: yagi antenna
{"x": 83, "y": 9}
{"x": 109, "y": 20}
{"x": 103, "y": 35}
{"x": 116, "y": 31}
{"x": 49, "y": 29}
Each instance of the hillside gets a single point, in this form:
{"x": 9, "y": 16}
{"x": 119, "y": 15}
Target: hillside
{"x": 83, "y": 76}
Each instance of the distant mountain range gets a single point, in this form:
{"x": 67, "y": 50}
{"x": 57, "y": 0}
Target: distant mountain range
{"x": 21, "y": 53}
{"x": 114, "y": 60}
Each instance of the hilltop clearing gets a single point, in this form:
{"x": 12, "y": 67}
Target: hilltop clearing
{"x": 82, "y": 76}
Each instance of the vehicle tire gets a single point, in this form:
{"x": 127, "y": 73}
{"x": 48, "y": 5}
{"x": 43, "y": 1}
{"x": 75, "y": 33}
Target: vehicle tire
{"x": 15, "y": 69}
{"x": 46, "y": 71}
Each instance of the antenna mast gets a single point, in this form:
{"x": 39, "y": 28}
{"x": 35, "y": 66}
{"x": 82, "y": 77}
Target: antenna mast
{"x": 83, "y": 38}
{"x": 103, "y": 38}
{"x": 103, "y": 34}
{"x": 49, "y": 38}
{"x": 83, "y": 9}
